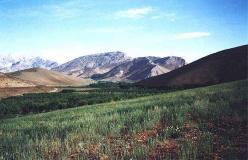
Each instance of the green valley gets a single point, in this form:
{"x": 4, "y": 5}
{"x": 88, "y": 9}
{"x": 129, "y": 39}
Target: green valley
{"x": 208, "y": 122}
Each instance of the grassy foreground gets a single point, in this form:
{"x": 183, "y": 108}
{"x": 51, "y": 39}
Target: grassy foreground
{"x": 203, "y": 123}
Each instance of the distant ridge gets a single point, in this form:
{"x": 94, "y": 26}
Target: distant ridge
{"x": 11, "y": 63}
{"x": 224, "y": 66}
{"x": 117, "y": 66}
{"x": 88, "y": 65}
{"x": 45, "y": 77}
{"x": 141, "y": 68}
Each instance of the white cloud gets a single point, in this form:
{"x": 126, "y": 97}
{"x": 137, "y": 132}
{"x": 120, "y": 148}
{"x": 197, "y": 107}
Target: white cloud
{"x": 168, "y": 16}
{"x": 61, "y": 10}
{"x": 191, "y": 35}
{"x": 134, "y": 12}
{"x": 66, "y": 10}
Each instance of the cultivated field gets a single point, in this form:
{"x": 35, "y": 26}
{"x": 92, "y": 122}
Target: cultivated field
{"x": 203, "y": 123}
{"x": 67, "y": 98}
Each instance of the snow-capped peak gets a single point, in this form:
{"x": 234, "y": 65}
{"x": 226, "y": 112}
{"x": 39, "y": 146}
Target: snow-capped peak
{"x": 11, "y": 63}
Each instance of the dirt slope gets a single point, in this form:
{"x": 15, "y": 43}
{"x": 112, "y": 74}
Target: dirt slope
{"x": 49, "y": 78}
{"x": 224, "y": 66}
{"x": 8, "y": 81}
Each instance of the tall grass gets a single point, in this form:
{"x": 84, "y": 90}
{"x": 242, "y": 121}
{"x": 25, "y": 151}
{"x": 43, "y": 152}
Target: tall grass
{"x": 192, "y": 124}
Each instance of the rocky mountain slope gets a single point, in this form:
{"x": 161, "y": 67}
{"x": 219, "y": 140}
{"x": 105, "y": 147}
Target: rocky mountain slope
{"x": 224, "y": 66}
{"x": 141, "y": 68}
{"x": 48, "y": 78}
{"x": 86, "y": 66}
{"x": 11, "y": 63}
{"x": 113, "y": 66}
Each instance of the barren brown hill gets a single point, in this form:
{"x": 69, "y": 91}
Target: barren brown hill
{"x": 224, "y": 66}
{"x": 9, "y": 82}
{"x": 49, "y": 78}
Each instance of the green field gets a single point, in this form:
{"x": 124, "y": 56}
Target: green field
{"x": 68, "y": 98}
{"x": 203, "y": 123}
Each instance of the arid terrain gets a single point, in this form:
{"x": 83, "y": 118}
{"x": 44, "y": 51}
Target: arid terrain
{"x": 8, "y": 81}
{"x": 36, "y": 81}
{"x": 45, "y": 77}
{"x": 223, "y": 66}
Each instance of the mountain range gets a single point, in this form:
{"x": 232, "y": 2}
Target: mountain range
{"x": 141, "y": 68}
{"x": 109, "y": 66}
{"x": 150, "y": 71}
{"x": 11, "y": 63}
{"x": 88, "y": 65}
{"x": 154, "y": 72}
{"x": 117, "y": 66}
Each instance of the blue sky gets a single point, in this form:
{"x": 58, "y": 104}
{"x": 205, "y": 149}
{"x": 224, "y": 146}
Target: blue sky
{"x": 64, "y": 29}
